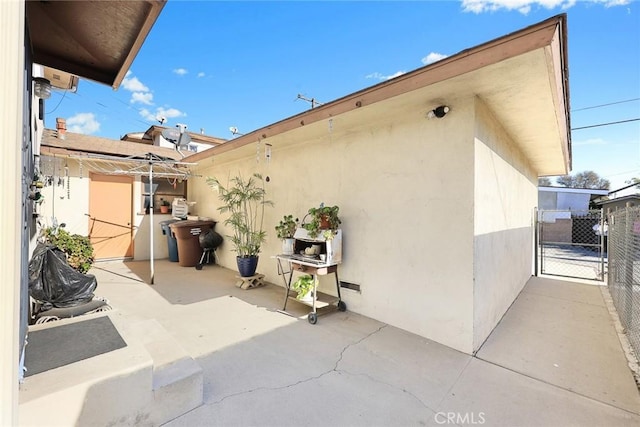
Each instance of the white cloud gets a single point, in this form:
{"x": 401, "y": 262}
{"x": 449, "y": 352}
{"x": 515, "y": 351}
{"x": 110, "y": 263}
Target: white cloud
{"x": 379, "y": 76}
{"x": 201, "y": 74}
{"x": 84, "y": 123}
{"x": 433, "y": 57}
{"x": 180, "y": 71}
{"x": 168, "y": 113}
{"x": 142, "y": 97}
{"x": 524, "y": 6}
{"x": 133, "y": 84}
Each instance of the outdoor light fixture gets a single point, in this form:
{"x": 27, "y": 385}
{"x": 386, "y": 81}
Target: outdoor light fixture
{"x": 42, "y": 87}
{"x": 438, "y": 112}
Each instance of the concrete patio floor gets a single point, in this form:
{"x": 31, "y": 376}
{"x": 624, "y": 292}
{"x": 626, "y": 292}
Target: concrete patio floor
{"x": 554, "y": 360}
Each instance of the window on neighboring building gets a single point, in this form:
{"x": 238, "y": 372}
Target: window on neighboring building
{"x": 163, "y": 189}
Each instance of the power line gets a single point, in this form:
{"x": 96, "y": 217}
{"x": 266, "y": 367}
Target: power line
{"x": 606, "y": 124}
{"x": 59, "y": 102}
{"x": 606, "y": 105}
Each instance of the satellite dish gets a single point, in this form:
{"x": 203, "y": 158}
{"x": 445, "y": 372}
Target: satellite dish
{"x": 181, "y": 140}
{"x": 184, "y": 140}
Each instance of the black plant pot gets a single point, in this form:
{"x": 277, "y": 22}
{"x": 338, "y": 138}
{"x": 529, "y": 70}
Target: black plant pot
{"x": 247, "y": 265}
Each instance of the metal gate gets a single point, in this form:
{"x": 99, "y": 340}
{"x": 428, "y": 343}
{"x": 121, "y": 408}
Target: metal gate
{"x": 572, "y": 244}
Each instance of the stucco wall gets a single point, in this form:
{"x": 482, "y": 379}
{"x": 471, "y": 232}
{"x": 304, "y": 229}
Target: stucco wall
{"x": 505, "y": 196}
{"x": 573, "y": 201}
{"x": 66, "y": 200}
{"x": 405, "y": 190}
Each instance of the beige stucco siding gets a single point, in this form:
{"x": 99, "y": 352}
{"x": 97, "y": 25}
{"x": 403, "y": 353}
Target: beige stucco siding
{"x": 66, "y": 200}
{"x": 405, "y": 191}
{"x": 505, "y": 196}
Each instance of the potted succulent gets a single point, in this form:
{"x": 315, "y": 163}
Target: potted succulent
{"x": 304, "y": 287}
{"x": 164, "y": 206}
{"x": 322, "y": 218}
{"x": 244, "y": 201}
{"x": 285, "y": 230}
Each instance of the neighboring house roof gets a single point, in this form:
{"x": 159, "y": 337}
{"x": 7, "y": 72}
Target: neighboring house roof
{"x": 148, "y": 136}
{"x": 592, "y": 191}
{"x": 521, "y": 77}
{"x": 76, "y": 144}
{"x": 93, "y": 39}
{"x": 618, "y": 200}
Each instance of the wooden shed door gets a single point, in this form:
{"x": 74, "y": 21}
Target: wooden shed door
{"x": 110, "y": 211}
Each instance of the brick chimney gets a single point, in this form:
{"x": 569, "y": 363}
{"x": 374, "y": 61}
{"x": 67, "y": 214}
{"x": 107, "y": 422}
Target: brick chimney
{"x": 61, "y": 127}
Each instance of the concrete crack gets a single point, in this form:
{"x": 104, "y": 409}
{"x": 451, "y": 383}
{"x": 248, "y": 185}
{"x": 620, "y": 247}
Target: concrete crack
{"x": 316, "y": 377}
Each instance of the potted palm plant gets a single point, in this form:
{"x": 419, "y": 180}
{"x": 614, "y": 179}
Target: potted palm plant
{"x": 285, "y": 230}
{"x": 244, "y": 201}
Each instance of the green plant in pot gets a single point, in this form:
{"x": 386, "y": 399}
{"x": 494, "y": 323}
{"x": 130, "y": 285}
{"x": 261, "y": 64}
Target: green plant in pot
{"x": 244, "y": 201}
{"x": 322, "y": 218}
{"x": 303, "y": 286}
{"x": 285, "y": 230}
{"x": 164, "y": 206}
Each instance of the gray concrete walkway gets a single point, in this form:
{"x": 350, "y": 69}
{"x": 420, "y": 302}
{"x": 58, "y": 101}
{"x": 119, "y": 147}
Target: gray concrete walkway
{"x": 554, "y": 360}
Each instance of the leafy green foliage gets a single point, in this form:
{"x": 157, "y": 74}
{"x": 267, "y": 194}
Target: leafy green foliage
{"x": 322, "y": 218}
{"x": 303, "y": 285}
{"x": 244, "y": 201}
{"x": 287, "y": 227}
{"x": 586, "y": 179}
{"x": 78, "y": 248}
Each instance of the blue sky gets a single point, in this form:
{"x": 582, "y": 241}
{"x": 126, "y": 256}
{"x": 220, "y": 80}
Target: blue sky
{"x": 216, "y": 64}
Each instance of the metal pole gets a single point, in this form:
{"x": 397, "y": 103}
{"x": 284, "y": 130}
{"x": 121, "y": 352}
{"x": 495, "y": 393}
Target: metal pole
{"x": 151, "y": 219}
{"x": 602, "y": 231}
{"x": 535, "y": 242}
{"x": 541, "y": 240}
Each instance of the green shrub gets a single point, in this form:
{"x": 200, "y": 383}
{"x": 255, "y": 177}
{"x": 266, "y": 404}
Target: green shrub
{"x": 78, "y": 248}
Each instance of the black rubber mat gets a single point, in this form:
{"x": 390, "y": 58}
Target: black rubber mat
{"x": 61, "y": 345}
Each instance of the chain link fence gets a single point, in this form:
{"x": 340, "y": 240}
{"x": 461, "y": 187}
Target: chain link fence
{"x": 572, "y": 243}
{"x": 624, "y": 270}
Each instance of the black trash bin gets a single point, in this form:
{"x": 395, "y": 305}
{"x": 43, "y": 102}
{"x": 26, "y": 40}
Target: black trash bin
{"x": 172, "y": 242}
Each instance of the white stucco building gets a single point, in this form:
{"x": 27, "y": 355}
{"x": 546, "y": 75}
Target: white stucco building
{"x": 437, "y": 212}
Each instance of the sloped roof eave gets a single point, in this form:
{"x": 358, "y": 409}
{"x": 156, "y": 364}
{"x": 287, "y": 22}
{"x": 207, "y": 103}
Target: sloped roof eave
{"x": 548, "y": 36}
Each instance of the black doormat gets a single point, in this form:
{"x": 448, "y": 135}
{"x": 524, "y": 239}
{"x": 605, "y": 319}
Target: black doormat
{"x": 61, "y": 345}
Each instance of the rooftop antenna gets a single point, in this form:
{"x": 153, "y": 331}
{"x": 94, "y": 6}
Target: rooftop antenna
{"x": 161, "y": 120}
{"x": 234, "y": 131}
{"x": 313, "y": 101}
{"x": 178, "y": 137}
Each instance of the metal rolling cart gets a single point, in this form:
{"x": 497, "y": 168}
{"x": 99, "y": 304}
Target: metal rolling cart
{"x": 287, "y": 264}
{"x": 323, "y": 262}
